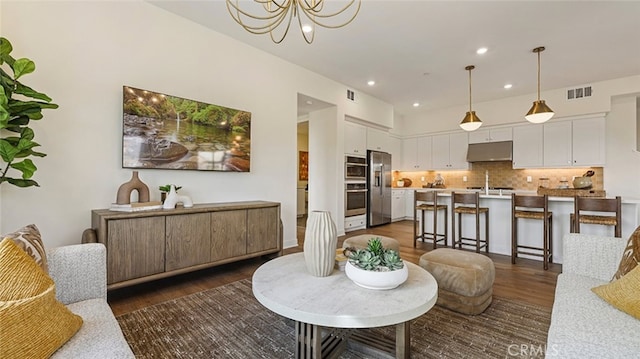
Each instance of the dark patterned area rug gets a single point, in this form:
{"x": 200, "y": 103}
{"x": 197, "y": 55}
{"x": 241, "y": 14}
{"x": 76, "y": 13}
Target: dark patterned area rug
{"x": 228, "y": 322}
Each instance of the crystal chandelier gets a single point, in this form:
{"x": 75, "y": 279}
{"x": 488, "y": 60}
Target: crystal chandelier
{"x": 275, "y": 16}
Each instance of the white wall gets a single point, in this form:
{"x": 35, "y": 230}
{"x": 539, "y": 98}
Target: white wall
{"x": 86, "y": 51}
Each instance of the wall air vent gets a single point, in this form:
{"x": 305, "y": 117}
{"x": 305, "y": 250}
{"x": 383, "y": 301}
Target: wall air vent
{"x": 579, "y": 92}
{"x": 351, "y": 95}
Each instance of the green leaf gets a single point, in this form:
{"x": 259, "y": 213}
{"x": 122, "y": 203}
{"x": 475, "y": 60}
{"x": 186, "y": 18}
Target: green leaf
{"x": 4, "y": 117}
{"x": 38, "y": 154}
{"x": 18, "y": 107}
{"x": 5, "y": 47}
{"x": 25, "y": 166}
{"x": 7, "y": 151}
{"x": 4, "y": 99}
{"x": 22, "y": 182}
{"x": 29, "y": 92}
{"x": 27, "y": 134}
{"x": 22, "y": 67}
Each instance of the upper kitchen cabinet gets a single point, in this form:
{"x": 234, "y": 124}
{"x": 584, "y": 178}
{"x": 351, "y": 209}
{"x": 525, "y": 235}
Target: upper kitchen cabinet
{"x": 396, "y": 152}
{"x": 355, "y": 139}
{"x": 588, "y": 142}
{"x": 416, "y": 154}
{"x": 575, "y": 143}
{"x": 449, "y": 152}
{"x": 527, "y": 146}
{"x": 491, "y": 135}
{"x": 378, "y": 140}
{"x": 557, "y": 144}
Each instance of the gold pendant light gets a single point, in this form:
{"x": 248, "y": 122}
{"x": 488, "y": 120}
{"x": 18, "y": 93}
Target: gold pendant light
{"x": 274, "y": 13}
{"x": 470, "y": 122}
{"x": 539, "y": 112}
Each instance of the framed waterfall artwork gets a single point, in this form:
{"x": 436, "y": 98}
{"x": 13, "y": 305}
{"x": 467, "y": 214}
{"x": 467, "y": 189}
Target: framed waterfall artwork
{"x": 168, "y": 132}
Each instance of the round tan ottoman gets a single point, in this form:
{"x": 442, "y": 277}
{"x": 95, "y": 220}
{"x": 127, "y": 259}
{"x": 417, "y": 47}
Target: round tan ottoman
{"x": 465, "y": 279}
{"x": 361, "y": 241}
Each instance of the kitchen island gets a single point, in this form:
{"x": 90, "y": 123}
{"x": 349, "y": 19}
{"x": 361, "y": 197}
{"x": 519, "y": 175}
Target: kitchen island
{"x": 529, "y": 231}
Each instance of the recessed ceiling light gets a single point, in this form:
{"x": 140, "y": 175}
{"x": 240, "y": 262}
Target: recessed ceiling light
{"x": 307, "y": 28}
{"x": 482, "y": 50}
{"x": 309, "y": 102}
{"x": 508, "y": 86}
{"x": 416, "y": 104}
{"x": 371, "y": 83}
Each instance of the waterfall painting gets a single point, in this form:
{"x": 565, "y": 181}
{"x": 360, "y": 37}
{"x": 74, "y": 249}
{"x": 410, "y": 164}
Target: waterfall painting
{"x": 168, "y": 132}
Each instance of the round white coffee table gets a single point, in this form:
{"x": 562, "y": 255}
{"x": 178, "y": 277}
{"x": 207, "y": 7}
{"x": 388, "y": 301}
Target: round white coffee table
{"x": 323, "y": 307}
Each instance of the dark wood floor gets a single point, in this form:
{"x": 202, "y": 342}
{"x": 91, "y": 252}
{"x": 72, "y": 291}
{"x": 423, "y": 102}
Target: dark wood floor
{"x": 525, "y": 281}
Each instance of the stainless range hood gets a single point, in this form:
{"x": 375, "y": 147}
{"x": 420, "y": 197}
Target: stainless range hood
{"x": 490, "y": 151}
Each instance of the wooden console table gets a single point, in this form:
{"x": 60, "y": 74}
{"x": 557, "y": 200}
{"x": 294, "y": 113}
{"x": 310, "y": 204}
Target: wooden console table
{"x": 148, "y": 245}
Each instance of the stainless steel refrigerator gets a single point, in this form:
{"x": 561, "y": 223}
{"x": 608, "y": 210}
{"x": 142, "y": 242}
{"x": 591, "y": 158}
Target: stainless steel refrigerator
{"x": 379, "y": 188}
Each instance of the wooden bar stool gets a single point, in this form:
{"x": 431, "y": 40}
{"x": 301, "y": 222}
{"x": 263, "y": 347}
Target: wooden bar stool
{"x": 590, "y": 205}
{"x": 428, "y": 201}
{"x": 470, "y": 204}
{"x": 532, "y": 207}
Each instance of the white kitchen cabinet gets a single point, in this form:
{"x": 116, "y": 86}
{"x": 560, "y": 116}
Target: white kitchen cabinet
{"x": 355, "y": 222}
{"x": 396, "y": 153}
{"x": 378, "y": 140}
{"x": 409, "y": 205}
{"x": 449, "y": 152}
{"x": 398, "y": 205}
{"x": 490, "y": 135}
{"x": 416, "y": 154}
{"x": 557, "y": 144}
{"x": 355, "y": 139}
{"x": 579, "y": 142}
{"x": 588, "y": 146}
{"x": 528, "y": 146}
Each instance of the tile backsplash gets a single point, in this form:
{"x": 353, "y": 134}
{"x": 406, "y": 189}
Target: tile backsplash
{"x": 501, "y": 174}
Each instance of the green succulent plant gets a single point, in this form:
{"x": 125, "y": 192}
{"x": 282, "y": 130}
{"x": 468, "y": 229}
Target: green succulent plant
{"x": 375, "y": 257}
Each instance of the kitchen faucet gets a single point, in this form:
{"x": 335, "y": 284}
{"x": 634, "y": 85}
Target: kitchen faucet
{"x": 486, "y": 182}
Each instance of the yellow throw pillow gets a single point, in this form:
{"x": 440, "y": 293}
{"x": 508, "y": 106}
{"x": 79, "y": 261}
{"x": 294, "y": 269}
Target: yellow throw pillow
{"x": 631, "y": 255}
{"x": 34, "y": 323}
{"x": 29, "y": 240}
{"x": 624, "y": 293}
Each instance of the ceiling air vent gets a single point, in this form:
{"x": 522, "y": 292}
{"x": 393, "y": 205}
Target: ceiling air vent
{"x": 351, "y": 95}
{"x": 579, "y": 92}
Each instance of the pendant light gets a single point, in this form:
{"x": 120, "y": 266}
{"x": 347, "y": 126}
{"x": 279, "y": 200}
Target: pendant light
{"x": 470, "y": 122}
{"x": 539, "y": 112}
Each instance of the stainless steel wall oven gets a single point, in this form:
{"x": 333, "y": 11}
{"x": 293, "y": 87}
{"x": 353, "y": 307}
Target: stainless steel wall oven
{"x": 355, "y": 199}
{"x": 355, "y": 168}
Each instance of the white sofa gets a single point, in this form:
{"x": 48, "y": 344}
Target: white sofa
{"x": 80, "y": 274}
{"x": 582, "y": 324}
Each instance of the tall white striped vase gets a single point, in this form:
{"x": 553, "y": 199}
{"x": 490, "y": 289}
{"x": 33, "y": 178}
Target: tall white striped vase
{"x": 320, "y": 241}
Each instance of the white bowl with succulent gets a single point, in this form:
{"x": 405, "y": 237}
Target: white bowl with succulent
{"x": 375, "y": 267}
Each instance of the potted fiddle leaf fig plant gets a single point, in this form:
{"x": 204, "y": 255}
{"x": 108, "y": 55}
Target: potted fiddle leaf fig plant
{"x": 375, "y": 267}
{"x": 19, "y": 104}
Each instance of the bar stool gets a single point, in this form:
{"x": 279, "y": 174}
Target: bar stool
{"x": 470, "y": 204}
{"x": 591, "y": 204}
{"x": 521, "y": 208}
{"x": 429, "y": 202}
